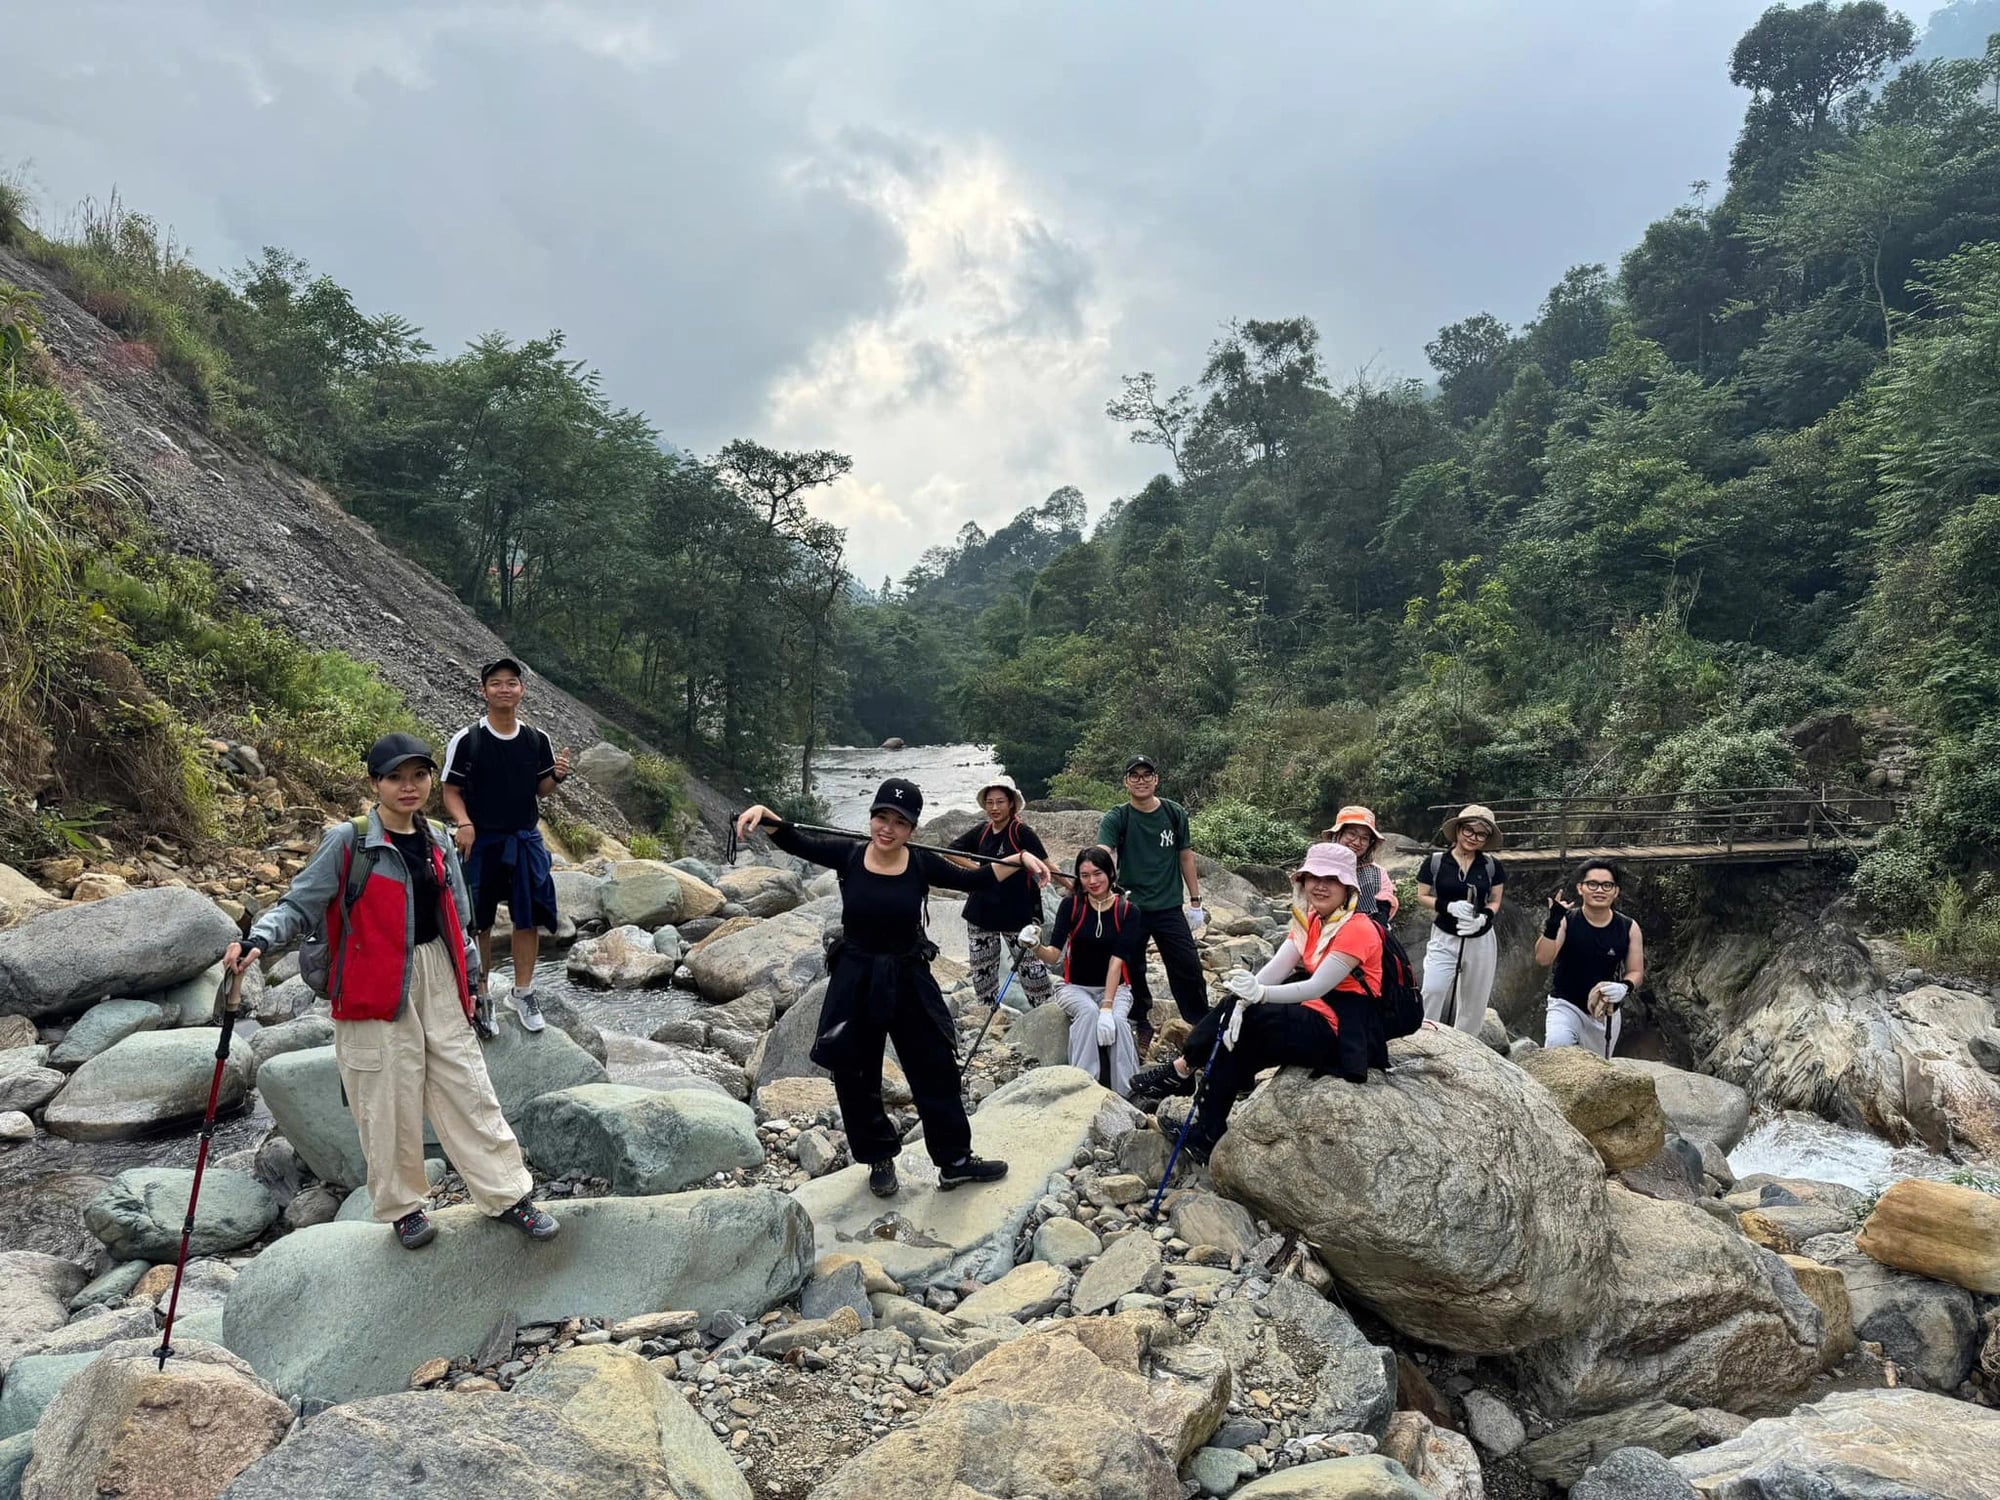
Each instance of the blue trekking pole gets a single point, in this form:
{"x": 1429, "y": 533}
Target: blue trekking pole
{"x": 1194, "y": 1104}
{"x": 991, "y": 1012}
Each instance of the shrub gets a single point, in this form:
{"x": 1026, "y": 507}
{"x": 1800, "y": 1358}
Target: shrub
{"x": 1235, "y": 831}
{"x": 1964, "y": 929}
{"x": 646, "y": 846}
{"x": 1896, "y": 879}
{"x": 581, "y": 839}
{"x": 1074, "y": 786}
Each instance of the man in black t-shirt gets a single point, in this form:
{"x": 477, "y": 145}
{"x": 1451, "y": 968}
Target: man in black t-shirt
{"x": 495, "y": 773}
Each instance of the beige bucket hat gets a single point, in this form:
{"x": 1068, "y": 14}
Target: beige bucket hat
{"x": 1473, "y": 812}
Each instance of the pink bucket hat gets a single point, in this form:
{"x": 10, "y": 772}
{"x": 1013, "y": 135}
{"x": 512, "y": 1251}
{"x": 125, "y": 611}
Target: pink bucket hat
{"x": 1336, "y": 860}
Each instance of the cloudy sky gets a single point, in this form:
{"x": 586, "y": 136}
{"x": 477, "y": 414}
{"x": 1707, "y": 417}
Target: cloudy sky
{"x": 930, "y": 235}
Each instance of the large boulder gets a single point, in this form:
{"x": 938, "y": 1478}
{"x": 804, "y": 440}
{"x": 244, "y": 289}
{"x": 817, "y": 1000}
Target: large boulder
{"x": 1450, "y": 1193}
{"x": 124, "y": 1426}
{"x": 1372, "y": 1477}
{"x": 1296, "y": 1338}
{"x": 1858, "y": 1445}
{"x": 641, "y": 1141}
{"x": 1694, "y": 1313}
{"x": 1015, "y": 1424}
{"x": 197, "y": 1001}
{"x": 580, "y": 896}
{"x": 150, "y": 1080}
{"x": 139, "y": 1217}
{"x": 21, "y": 898}
{"x": 1562, "y": 1456}
{"x": 648, "y": 1064}
{"x": 623, "y": 959}
{"x": 1616, "y": 1109}
{"x": 102, "y": 1026}
{"x": 1929, "y": 1328}
{"x": 923, "y": 1236}
{"x": 761, "y": 890}
{"x": 302, "y": 1091}
{"x": 743, "y": 1249}
{"x": 1696, "y": 1105}
{"x": 785, "y": 954}
{"x": 295, "y": 1035}
{"x": 35, "y": 1290}
{"x": 612, "y": 771}
{"x": 1937, "y": 1229}
{"x": 1632, "y": 1474}
{"x": 32, "y": 1383}
{"x": 647, "y": 893}
{"x": 62, "y": 961}
{"x": 584, "y": 1424}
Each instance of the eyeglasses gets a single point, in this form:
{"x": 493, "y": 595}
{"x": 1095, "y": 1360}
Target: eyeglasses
{"x": 1473, "y": 831}
{"x": 1598, "y": 885}
{"x": 1142, "y": 775}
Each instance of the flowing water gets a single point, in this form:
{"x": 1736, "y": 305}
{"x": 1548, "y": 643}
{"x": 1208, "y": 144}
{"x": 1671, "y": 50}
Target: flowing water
{"x": 1793, "y": 1144}
{"x": 845, "y": 777}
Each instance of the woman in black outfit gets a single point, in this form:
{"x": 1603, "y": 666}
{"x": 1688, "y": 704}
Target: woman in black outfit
{"x": 880, "y": 984}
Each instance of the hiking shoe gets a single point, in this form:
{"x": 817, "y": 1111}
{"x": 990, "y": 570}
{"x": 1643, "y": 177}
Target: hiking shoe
{"x": 1161, "y": 1081}
{"x": 415, "y": 1230}
{"x": 972, "y": 1169}
{"x": 882, "y": 1179}
{"x": 529, "y": 1009}
{"x": 535, "y": 1223}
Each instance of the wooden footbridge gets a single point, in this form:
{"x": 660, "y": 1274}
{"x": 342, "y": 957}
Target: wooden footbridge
{"x": 1734, "y": 825}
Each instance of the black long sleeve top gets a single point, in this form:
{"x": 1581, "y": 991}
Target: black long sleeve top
{"x": 881, "y": 913}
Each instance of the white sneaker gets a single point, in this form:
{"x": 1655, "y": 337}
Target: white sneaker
{"x": 529, "y": 1009}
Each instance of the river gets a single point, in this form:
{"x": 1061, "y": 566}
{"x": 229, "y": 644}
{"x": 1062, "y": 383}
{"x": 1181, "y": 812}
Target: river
{"x": 845, "y": 777}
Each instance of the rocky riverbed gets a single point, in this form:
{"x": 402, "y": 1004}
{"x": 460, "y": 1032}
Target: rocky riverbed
{"x": 1491, "y": 1272}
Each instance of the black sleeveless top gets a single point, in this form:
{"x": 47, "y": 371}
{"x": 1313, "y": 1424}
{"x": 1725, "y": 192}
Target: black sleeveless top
{"x": 1590, "y": 956}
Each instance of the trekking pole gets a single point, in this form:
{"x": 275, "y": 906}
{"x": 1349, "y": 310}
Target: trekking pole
{"x": 1194, "y": 1105}
{"x": 1458, "y": 964}
{"x": 228, "y": 995}
{"x": 991, "y": 1011}
{"x": 730, "y": 847}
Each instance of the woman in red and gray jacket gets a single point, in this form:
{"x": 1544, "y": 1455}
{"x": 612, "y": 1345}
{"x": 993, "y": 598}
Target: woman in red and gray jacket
{"x": 402, "y": 970}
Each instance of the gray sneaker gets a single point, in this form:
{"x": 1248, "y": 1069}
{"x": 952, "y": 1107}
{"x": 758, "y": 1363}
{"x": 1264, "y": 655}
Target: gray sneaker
{"x": 529, "y": 1009}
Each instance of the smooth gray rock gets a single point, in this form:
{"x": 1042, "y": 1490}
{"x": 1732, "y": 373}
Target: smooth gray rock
{"x": 1492, "y": 1424}
{"x": 580, "y": 896}
{"x": 1219, "y": 1470}
{"x": 1897, "y": 1444}
{"x": 622, "y": 959}
{"x": 1525, "y": 1253}
{"x": 785, "y": 954}
{"x": 295, "y": 1035}
{"x": 1300, "y": 1339}
{"x": 15, "y": 1454}
{"x": 1371, "y": 1478}
{"x": 24, "y": 1087}
{"x": 32, "y": 1383}
{"x": 150, "y": 1080}
{"x": 286, "y": 1000}
{"x": 1696, "y": 1105}
{"x": 114, "y": 1286}
{"x": 62, "y": 961}
{"x": 642, "y": 1141}
{"x": 1042, "y": 1033}
{"x": 1065, "y": 1242}
{"x": 197, "y": 1001}
{"x": 761, "y": 890}
{"x": 139, "y": 1217}
{"x": 104, "y": 1026}
{"x": 1925, "y": 1326}
{"x": 742, "y": 1249}
{"x": 1206, "y": 1219}
{"x": 645, "y": 893}
{"x": 1122, "y": 1267}
{"x": 658, "y": 1064}
{"x": 1562, "y": 1456}
{"x": 35, "y": 1291}
{"x": 845, "y": 1286}
{"x": 1633, "y": 1474}
{"x": 596, "y": 1422}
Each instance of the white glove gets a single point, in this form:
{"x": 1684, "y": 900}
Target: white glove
{"x": 1107, "y": 1028}
{"x": 1245, "y": 986}
{"x": 1463, "y": 911}
{"x": 1196, "y": 919}
{"x": 1235, "y": 1027}
{"x": 1029, "y": 936}
{"x": 1614, "y": 991}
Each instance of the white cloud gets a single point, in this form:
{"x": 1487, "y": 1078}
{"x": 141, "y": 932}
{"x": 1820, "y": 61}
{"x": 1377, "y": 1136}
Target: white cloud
{"x": 973, "y": 393}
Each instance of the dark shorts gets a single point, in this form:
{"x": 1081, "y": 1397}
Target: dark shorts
{"x": 492, "y": 884}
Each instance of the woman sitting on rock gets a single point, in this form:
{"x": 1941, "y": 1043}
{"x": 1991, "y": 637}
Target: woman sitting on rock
{"x": 1316, "y": 1004}
{"x": 389, "y": 898}
{"x": 881, "y": 986}
{"x": 1599, "y": 957}
{"x": 1097, "y": 940}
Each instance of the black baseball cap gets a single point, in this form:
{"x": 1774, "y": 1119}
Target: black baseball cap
{"x": 501, "y": 664}
{"x": 1137, "y": 761}
{"x": 393, "y": 750}
{"x": 899, "y": 796}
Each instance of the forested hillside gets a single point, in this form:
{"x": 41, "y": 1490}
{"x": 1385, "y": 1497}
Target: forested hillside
{"x": 1739, "y": 480}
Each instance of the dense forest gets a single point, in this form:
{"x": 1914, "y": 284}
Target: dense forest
{"x": 1743, "y": 479}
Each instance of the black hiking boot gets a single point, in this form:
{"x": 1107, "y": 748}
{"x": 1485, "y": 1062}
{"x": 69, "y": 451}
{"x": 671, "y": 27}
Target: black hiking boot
{"x": 415, "y": 1230}
{"x": 535, "y": 1223}
{"x": 1161, "y": 1081}
{"x": 973, "y": 1169}
{"x": 882, "y": 1179}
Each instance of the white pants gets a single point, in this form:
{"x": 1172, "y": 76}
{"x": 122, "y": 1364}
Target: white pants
{"x": 1469, "y": 972}
{"x": 1083, "y": 1003}
{"x": 1571, "y": 1026}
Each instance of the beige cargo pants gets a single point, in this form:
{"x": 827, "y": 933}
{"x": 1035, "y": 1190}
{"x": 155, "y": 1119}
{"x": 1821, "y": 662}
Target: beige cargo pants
{"x": 427, "y": 1063}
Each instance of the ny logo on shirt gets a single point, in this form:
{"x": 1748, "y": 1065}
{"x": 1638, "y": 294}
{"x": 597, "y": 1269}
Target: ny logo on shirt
{"x": 1166, "y": 838}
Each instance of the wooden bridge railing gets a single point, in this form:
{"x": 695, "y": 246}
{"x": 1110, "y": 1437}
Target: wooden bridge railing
{"x": 1727, "y": 823}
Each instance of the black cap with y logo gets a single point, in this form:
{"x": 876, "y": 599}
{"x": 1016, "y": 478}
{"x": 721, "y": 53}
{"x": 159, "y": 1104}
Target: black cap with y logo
{"x": 899, "y": 796}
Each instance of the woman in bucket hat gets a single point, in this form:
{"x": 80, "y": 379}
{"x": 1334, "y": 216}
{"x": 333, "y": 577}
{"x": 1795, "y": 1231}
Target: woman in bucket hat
{"x": 1316, "y": 1004}
{"x": 402, "y": 967}
{"x": 997, "y": 913}
{"x": 1355, "y": 827}
{"x": 880, "y": 984}
{"x": 1462, "y": 885}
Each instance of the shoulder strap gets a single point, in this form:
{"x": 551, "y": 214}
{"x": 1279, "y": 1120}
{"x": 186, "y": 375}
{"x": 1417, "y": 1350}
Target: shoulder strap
{"x": 1183, "y": 829}
{"x": 1429, "y": 873}
{"x": 1124, "y": 811}
{"x": 1491, "y": 867}
{"x": 359, "y": 865}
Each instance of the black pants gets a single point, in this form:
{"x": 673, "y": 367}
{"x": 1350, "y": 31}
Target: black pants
{"x": 922, "y": 1030}
{"x": 1273, "y": 1036}
{"x": 1169, "y": 929}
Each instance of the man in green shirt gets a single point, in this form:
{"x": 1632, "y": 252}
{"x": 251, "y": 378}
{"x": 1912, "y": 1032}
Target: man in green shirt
{"x": 1148, "y": 836}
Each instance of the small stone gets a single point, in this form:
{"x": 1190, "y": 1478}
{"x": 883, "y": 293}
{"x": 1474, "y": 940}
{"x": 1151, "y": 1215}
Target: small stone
{"x": 429, "y": 1373}
{"x": 659, "y": 1325}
